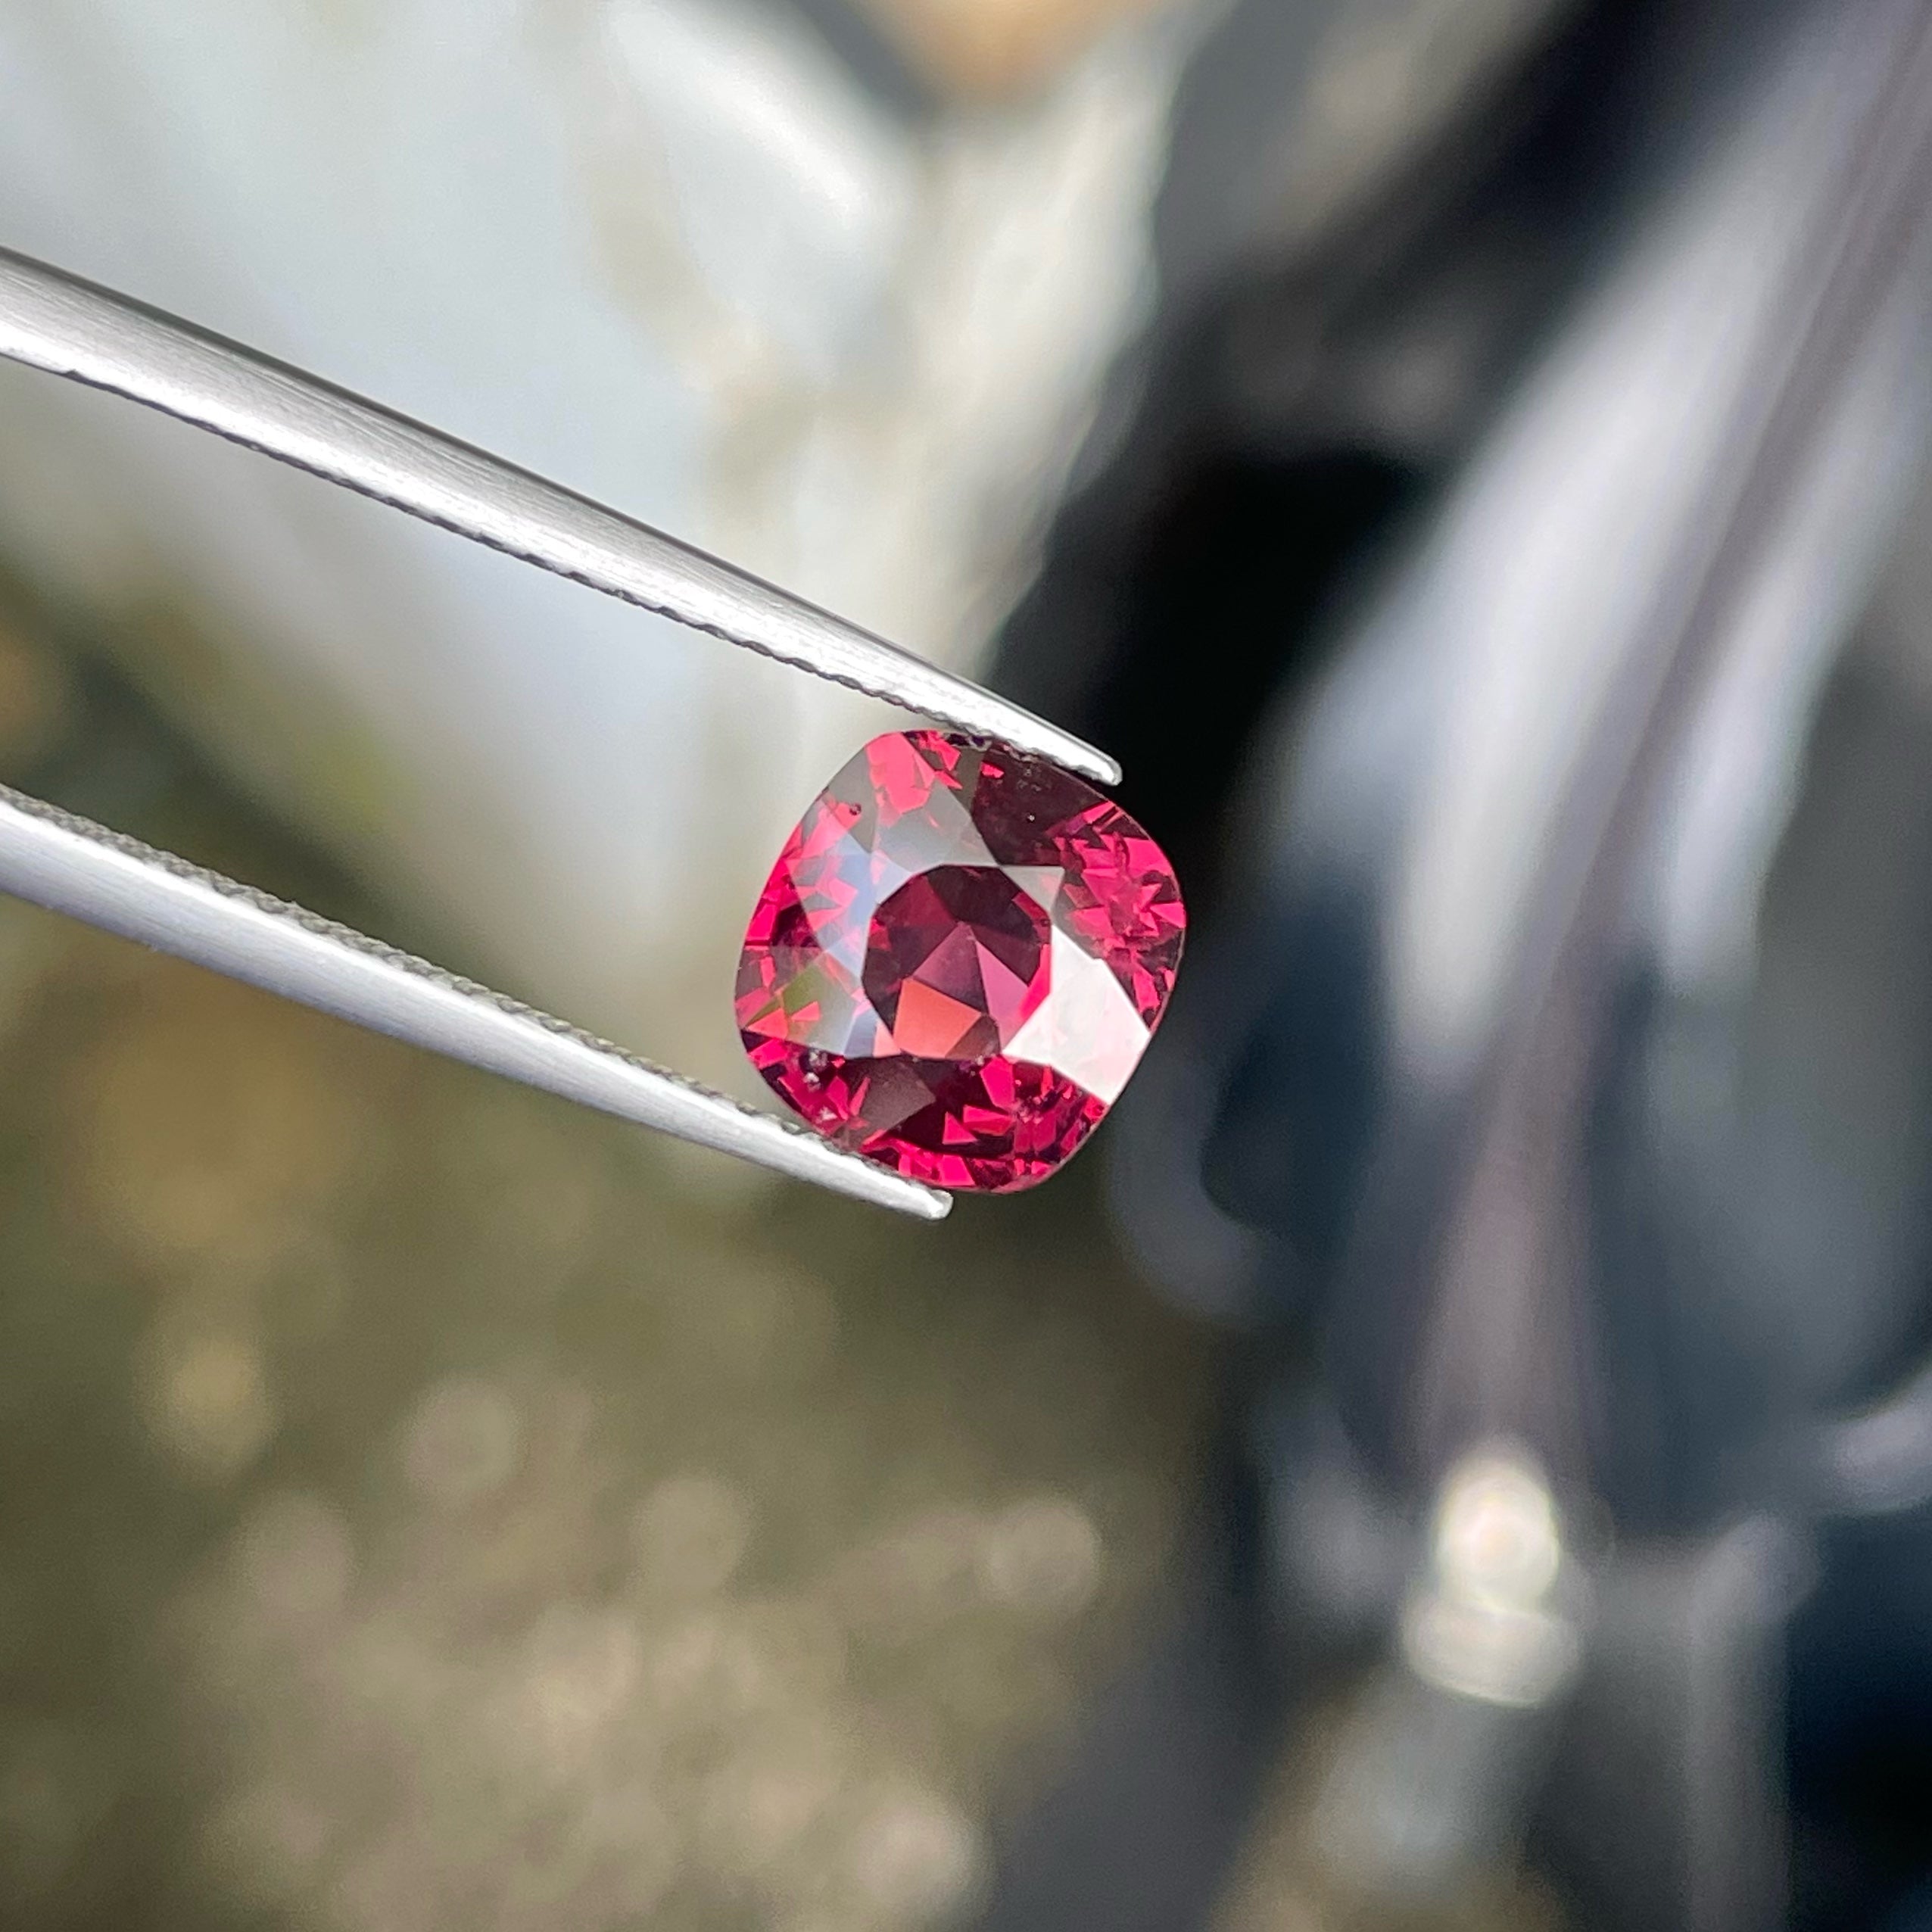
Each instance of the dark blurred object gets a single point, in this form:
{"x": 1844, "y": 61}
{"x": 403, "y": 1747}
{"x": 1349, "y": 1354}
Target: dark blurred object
{"x": 1543, "y": 1102}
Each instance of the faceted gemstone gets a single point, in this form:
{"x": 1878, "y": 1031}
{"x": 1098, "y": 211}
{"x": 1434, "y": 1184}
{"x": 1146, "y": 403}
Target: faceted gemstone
{"x": 958, "y": 960}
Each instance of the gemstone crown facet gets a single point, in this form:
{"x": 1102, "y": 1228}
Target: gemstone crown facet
{"x": 958, "y": 960}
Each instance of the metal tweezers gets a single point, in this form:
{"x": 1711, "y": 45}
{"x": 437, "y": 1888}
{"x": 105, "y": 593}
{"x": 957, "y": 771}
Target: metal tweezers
{"x": 55, "y": 321}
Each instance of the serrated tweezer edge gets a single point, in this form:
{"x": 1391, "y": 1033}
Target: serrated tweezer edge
{"x": 70, "y": 865}
{"x": 54, "y": 321}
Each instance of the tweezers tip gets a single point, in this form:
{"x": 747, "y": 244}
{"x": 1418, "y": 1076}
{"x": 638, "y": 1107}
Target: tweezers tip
{"x": 914, "y": 1198}
{"x": 1076, "y": 754}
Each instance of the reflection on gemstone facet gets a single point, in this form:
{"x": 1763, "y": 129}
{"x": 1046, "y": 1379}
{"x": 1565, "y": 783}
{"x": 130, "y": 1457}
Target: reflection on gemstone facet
{"x": 958, "y": 961}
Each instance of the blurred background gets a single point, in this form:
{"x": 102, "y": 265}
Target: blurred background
{"x": 1458, "y": 1452}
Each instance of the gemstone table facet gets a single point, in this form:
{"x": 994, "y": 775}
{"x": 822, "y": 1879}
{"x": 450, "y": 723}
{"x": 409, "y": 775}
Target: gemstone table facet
{"x": 958, "y": 960}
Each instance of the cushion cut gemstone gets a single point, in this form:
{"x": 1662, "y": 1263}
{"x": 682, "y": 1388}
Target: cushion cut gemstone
{"x": 958, "y": 960}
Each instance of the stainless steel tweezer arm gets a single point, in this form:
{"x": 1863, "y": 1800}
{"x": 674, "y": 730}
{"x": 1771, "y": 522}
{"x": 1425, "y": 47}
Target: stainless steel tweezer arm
{"x": 70, "y": 865}
{"x": 55, "y": 322}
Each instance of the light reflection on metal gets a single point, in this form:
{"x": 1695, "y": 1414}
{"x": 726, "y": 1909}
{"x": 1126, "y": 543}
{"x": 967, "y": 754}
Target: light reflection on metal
{"x": 1494, "y": 1618}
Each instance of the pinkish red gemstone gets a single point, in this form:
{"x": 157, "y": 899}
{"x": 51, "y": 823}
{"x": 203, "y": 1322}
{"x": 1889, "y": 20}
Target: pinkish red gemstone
{"x": 958, "y": 960}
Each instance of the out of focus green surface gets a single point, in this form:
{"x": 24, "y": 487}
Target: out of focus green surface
{"x": 423, "y": 1505}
